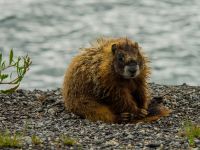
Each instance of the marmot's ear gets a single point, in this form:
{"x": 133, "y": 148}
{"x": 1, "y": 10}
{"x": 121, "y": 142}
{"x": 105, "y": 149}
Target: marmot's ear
{"x": 114, "y": 48}
{"x": 136, "y": 45}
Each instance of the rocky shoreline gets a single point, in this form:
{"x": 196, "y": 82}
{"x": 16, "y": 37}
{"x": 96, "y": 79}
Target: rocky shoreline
{"x": 41, "y": 113}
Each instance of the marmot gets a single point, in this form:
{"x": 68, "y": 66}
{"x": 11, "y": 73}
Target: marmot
{"x": 108, "y": 82}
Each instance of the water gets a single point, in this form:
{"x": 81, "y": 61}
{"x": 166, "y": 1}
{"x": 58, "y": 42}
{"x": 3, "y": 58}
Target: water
{"x": 51, "y": 32}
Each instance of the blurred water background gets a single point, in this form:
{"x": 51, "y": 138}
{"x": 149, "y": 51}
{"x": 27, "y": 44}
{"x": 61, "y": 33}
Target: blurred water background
{"x": 52, "y": 31}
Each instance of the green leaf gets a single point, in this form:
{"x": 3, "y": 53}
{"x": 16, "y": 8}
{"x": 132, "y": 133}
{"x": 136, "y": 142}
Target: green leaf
{"x": 21, "y": 66}
{"x": 17, "y": 65}
{"x": 3, "y": 76}
{"x": 0, "y": 58}
{"x": 3, "y": 65}
{"x": 11, "y": 56}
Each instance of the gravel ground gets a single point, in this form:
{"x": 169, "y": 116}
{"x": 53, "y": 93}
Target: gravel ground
{"x": 42, "y": 113}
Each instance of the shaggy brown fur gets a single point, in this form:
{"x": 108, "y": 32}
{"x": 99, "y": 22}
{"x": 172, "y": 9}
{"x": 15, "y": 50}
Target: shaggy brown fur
{"x": 97, "y": 87}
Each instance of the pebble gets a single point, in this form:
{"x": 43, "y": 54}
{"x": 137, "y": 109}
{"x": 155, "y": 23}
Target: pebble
{"x": 197, "y": 142}
{"x": 52, "y": 111}
{"x": 112, "y": 142}
{"x": 42, "y": 113}
{"x": 27, "y": 139}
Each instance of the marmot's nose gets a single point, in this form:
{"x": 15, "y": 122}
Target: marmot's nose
{"x": 132, "y": 69}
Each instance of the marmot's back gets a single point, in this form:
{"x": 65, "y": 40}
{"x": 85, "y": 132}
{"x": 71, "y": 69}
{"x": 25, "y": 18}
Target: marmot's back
{"x": 81, "y": 74}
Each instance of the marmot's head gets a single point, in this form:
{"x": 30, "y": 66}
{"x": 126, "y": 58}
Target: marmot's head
{"x": 128, "y": 60}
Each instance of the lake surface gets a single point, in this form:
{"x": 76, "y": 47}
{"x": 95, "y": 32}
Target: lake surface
{"x": 52, "y": 31}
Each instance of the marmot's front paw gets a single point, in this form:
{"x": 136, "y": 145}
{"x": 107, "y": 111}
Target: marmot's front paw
{"x": 142, "y": 113}
{"x": 126, "y": 117}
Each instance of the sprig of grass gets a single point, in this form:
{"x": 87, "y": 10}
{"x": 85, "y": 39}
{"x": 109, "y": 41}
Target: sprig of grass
{"x": 191, "y": 131}
{"x": 20, "y": 65}
{"x": 36, "y": 140}
{"x": 66, "y": 140}
{"x": 8, "y": 140}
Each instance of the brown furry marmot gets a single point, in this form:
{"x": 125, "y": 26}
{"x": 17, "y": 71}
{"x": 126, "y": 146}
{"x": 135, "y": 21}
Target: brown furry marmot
{"x": 108, "y": 82}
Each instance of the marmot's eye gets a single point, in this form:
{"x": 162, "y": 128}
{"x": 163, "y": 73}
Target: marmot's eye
{"x": 120, "y": 57}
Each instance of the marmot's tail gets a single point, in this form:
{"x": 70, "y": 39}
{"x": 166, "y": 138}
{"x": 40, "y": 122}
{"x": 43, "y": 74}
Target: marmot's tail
{"x": 156, "y": 111}
{"x": 156, "y": 108}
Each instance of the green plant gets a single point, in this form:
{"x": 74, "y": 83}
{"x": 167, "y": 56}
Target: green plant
{"x": 66, "y": 140}
{"x": 36, "y": 140}
{"x": 8, "y": 140}
{"x": 20, "y": 65}
{"x": 191, "y": 131}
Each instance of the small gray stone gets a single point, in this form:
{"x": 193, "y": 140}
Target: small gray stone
{"x": 52, "y": 111}
{"x": 197, "y": 142}
{"x": 27, "y": 139}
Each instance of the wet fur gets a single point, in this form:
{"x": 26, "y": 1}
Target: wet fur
{"x": 93, "y": 90}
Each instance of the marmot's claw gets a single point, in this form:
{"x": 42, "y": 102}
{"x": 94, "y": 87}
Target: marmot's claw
{"x": 142, "y": 113}
{"x": 127, "y": 117}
